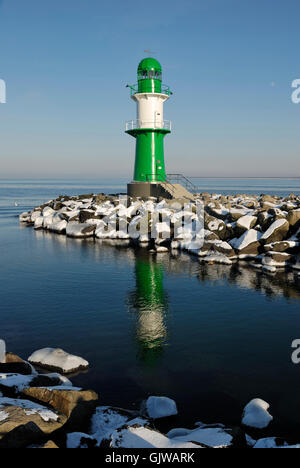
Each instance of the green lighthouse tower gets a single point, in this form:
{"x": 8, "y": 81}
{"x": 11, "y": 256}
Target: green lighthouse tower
{"x": 149, "y": 128}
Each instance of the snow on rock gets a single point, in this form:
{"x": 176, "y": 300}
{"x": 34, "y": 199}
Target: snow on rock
{"x": 58, "y": 359}
{"x": 2, "y": 351}
{"x": 105, "y": 421}
{"x": 29, "y": 408}
{"x": 256, "y": 414}
{"x": 276, "y": 231}
{"x": 213, "y": 437}
{"x": 160, "y": 407}
{"x": 144, "y": 437}
{"x": 248, "y": 239}
{"x": 246, "y": 222}
{"x": 16, "y": 381}
{"x": 274, "y": 443}
{"x": 80, "y": 230}
{"x": 3, "y": 416}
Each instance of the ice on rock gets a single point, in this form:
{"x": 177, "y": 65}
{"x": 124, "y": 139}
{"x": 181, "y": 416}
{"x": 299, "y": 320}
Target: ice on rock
{"x": 160, "y": 407}
{"x": 256, "y": 414}
{"x": 2, "y": 351}
{"x": 58, "y": 359}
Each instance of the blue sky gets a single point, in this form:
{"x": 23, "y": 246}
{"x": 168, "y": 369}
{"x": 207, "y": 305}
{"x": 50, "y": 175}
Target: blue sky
{"x": 230, "y": 64}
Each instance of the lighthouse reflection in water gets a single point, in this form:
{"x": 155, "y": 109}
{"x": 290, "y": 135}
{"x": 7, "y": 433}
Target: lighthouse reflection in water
{"x": 150, "y": 304}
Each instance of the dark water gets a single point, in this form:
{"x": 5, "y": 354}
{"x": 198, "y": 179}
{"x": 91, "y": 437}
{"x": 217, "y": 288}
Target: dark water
{"x": 211, "y": 337}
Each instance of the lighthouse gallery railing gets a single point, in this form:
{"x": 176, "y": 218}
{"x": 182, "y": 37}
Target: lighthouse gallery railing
{"x": 135, "y": 124}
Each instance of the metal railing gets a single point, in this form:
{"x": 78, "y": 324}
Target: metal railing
{"x": 181, "y": 179}
{"x": 134, "y": 89}
{"x": 159, "y": 124}
{"x": 159, "y": 178}
{"x": 171, "y": 179}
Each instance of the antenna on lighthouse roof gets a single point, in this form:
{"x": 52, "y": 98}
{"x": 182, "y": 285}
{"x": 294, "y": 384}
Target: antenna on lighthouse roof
{"x": 149, "y": 52}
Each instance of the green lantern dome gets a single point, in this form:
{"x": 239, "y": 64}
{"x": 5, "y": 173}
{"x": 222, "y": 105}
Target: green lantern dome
{"x": 148, "y": 64}
{"x": 149, "y": 76}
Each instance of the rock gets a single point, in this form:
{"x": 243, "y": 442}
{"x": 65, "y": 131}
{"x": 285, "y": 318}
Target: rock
{"x": 256, "y": 414}
{"x": 16, "y": 412}
{"x": 85, "y": 215}
{"x": 12, "y": 384}
{"x": 25, "y": 217}
{"x": 245, "y": 223}
{"x": 206, "y": 436}
{"x": 282, "y": 246}
{"x": 264, "y": 219}
{"x": 215, "y": 225}
{"x": 80, "y": 230}
{"x": 160, "y": 407}
{"x": 248, "y": 244}
{"x": 76, "y": 404}
{"x": 268, "y": 199}
{"x": 276, "y": 259}
{"x": 80, "y": 440}
{"x": 276, "y": 232}
{"x": 293, "y": 217}
{"x": 58, "y": 360}
{"x": 107, "y": 419}
{"x": 273, "y": 443}
{"x": 138, "y": 436}
{"x": 223, "y": 248}
{"x": 2, "y": 351}
{"x": 236, "y": 213}
{"x": 21, "y": 436}
{"x": 50, "y": 380}
{"x": 49, "y": 445}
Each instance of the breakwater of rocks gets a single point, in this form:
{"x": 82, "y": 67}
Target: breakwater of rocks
{"x": 218, "y": 229}
{"x": 40, "y": 408}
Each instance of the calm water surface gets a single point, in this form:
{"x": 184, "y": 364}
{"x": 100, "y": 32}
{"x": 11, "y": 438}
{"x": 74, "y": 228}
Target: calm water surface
{"x": 211, "y": 337}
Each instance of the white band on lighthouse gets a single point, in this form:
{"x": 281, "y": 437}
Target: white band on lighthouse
{"x": 150, "y": 113}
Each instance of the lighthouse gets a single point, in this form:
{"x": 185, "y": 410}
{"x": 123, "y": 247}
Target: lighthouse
{"x": 149, "y": 129}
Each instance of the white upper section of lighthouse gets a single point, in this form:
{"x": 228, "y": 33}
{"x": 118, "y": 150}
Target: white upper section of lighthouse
{"x": 150, "y": 112}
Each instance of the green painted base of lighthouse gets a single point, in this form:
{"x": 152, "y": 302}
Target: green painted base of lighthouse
{"x": 149, "y": 154}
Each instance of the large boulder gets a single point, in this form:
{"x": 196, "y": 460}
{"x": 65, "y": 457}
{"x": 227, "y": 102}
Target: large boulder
{"x": 76, "y": 404}
{"x": 276, "y": 232}
{"x": 137, "y": 436}
{"x": 276, "y": 259}
{"x": 293, "y": 217}
{"x": 248, "y": 244}
{"x": 80, "y": 230}
{"x": 160, "y": 407}
{"x": 256, "y": 414}
{"x": 215, "y": 225}
{"x": 17, "y": 412}
{"x": 245, "y": 223}
{"x": 58, "y": 360}
{"x": 21, "y": 436}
